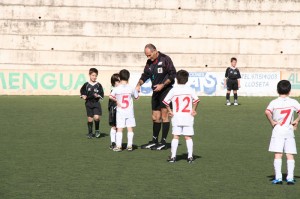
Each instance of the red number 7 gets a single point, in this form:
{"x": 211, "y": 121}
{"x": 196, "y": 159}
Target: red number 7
{"x": 287, "y": 112}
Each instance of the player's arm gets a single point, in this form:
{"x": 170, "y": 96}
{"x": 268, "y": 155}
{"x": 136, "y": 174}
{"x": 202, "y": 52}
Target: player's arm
{"x": 112, "y": 96}
{"x": 171, "y": 74}
{"x": 145, "y": 75}
{"x": 167, "y": 102}
{"x": 135, "y": 94}
{"x": 83, "y": 92}
{"x": 226, "y": 77}
{"x": 170, "y": 111}
{"x": 195, "y": 103}
{"x": 269, "y": 116}
{"x": 100, "y": 93}
{"x": 296, "y": 121}
{"x": 239, "y": 78}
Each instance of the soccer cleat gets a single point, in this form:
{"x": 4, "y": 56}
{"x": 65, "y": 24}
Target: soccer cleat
{"x": 190, "y": 160}
{"x": 98, "y": 134}
{"x": 159, "y": 146}
{"x": 277, "y": 181}
{"x": 228, "y": 103}
{"x": 171, "y": 160}
{"x": 149, "y": 145}
{"x": 112, "y": 146}
{"x": 117, "y": 149}
{"x": 129, "y": 148}
{"x": 235, "y": 103}
{"x": 290, "y": 181}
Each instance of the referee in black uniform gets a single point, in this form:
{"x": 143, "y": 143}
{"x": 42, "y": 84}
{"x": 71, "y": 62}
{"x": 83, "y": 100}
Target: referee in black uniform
{"x": 161, "y": 71}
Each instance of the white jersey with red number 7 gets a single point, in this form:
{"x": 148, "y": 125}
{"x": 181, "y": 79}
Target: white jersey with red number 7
{"x": 182, "y": 97}
{"x": 124, "y": 94}
{"x": 282, "y": 110}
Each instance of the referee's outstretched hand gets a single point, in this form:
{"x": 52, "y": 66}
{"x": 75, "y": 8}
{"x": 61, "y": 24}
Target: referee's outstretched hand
{"x": 138, "y": 88}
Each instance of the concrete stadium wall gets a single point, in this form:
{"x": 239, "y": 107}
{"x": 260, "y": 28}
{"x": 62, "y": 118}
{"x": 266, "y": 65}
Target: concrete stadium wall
{"x": 199, "y": 35}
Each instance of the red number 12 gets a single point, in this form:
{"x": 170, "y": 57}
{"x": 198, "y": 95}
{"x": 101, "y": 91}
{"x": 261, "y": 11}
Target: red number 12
{"x": 185, "y": 109}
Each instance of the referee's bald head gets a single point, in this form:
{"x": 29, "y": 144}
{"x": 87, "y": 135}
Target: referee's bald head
{"x": 151, "y": 47}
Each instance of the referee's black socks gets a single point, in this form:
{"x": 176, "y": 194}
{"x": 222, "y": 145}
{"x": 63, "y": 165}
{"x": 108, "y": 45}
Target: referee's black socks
{"x": 90, "y": 127}
{"x": 97, "y": 123}
{"x": 156, "y": 130}
{"x": 165, "y": 131}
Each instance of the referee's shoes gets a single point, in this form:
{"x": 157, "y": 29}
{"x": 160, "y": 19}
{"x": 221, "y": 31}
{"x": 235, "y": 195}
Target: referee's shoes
{"x": 159, "y": 146}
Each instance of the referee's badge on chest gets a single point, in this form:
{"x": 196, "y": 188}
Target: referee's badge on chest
{"x": 160, "y": 70}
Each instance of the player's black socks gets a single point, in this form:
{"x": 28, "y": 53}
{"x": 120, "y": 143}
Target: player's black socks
{"x": 227, "y": 96}
{"x": 156, "y": 130}
{"x": 90, "y": 127}
{"x": 165, "y": 131}
{"x": 97, "y": 123}
{"x": 235, "y": 96}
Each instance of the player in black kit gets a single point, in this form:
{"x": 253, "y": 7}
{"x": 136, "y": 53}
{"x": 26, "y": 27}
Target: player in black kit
{"x": 232, "y": 81}
{"x": 92, "y": 92}
{"x": 161, "y": 71}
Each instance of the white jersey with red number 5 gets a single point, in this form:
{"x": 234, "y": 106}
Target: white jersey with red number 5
{"x": 124, "y": 94}
{"x": 282, "y": 110}
{"x": 182, "y": 97}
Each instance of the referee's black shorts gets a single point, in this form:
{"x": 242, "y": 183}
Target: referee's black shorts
{"x": 232, "y": 84}
{"x": 158, "y": 97}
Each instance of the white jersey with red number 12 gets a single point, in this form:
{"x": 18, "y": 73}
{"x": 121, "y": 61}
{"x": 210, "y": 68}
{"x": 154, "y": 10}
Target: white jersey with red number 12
{"x": 182, "y": 98}
{"x": 282, "y": 110}
{"x": 124, "y": 94}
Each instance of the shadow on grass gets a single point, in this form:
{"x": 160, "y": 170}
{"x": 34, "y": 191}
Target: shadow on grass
{"x": 272, "y": 177}
{"x": 102, "y": 135}
{"x": 124, "y": 146}
{"x": 185, "y": 155}
{"x": 232, "y": 104}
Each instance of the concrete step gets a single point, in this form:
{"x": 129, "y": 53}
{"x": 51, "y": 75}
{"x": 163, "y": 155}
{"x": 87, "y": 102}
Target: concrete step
{"x": 246, "y": 5}
{"x": 138, "y": 60}
{"x": 171, "y": 45}
{"x": 224, "y": 17}
{"x": 116, "y": 29}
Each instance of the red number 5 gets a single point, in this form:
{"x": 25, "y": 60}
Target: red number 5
{"x": 287, "y": 114}
{"x": 125, "y": 101}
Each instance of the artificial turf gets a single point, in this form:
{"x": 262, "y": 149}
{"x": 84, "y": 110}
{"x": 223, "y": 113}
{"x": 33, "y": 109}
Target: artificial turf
{"x": 45, "y": 153}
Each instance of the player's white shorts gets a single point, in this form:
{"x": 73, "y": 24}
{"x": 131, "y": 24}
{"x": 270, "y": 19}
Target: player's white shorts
{"x": 123, "y": 122}
{"x": 183, "y": 130}
{"x": 283, "y": 145}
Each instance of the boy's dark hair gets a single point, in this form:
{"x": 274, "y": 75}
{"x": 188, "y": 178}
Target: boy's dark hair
{"x": 93, "y": 70}
{"x": 124, "y": 75}
{"x": 283, "y": 87}
{"x": 182, "y": 76}
{"x": 114, "y": 78}
{"x": 233, "y": 59}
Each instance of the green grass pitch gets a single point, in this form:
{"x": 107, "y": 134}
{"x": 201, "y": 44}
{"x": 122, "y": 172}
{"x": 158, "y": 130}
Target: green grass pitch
{"x": 45, "y": 154}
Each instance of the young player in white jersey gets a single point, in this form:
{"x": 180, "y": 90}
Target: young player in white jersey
{"x": 280, "y": 114}
{"x": 184, "y": 101}
{"x": 122, "y": 95}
